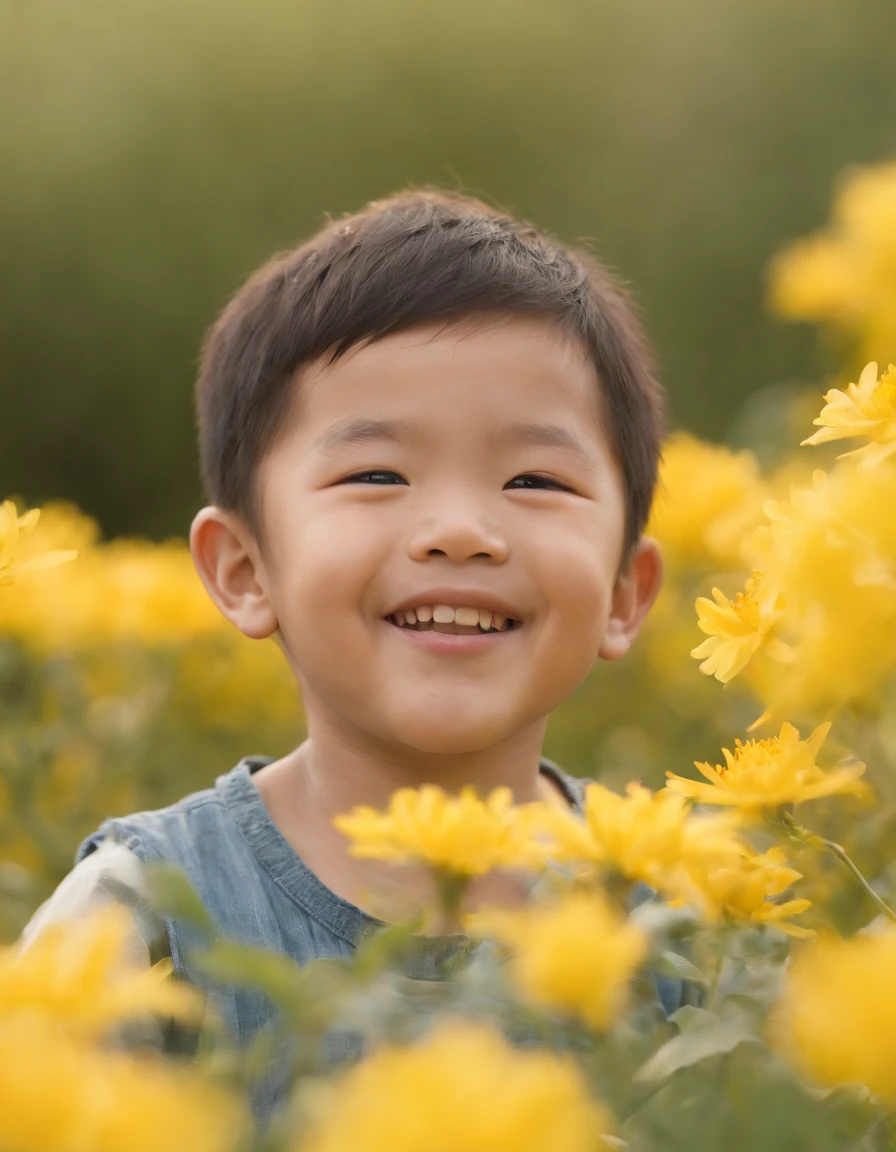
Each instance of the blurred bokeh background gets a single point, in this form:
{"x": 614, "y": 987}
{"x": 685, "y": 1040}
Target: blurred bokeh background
{"x": 153, "y": 153}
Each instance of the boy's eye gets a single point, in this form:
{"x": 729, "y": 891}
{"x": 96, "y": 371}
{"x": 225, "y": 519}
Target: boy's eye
{"x": 386, "y": 476}
{"x": 375, "y": 476}
{"x": 530, "y": 480}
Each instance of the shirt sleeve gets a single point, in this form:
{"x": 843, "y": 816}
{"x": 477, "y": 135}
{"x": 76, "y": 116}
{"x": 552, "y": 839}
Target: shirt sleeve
{"x": 111, "y": 874}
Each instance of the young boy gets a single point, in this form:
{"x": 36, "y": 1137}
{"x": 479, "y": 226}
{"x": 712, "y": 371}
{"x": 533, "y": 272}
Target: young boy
{"x": 429, "y": 442}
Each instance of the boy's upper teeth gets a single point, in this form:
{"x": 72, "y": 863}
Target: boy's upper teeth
{"x": 443, "y": 614}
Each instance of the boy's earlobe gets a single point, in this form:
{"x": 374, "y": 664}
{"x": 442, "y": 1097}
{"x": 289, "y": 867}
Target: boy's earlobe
{"x": 229, "y": 566}
{"x": 636, "y": 588}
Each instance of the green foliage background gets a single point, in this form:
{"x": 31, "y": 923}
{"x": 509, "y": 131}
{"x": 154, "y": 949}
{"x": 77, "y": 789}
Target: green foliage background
{"x": 154, "y": 152}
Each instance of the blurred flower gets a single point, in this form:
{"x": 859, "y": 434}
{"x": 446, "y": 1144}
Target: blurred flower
{"x": 811, "y": 280}
{"x": 145, "y": 597}
{"x": 767, "y": 773}
{"x": 865, "y": 409}
{"x": 737, "y": 628}
{"x": 744, "y": 891}
{"x": 227, "y": 680}
{"x": 832, "y": 548}
{"x": 461, "y": 835}
{"x": 12, "y": 528}
{"x": 576, "y": 955}
{"x": 643, "y": 835}
{"x": 837, "y": 1017}
{"x": 708, "y": 496}
{"x": 461, "y": 1087}
{"x": 845, "y": 276}
{"x": 127, "y": 590}
{"x": 841, "y": 518}
{"x": 72, "y": 976}
{"x": 56, "y": 1093}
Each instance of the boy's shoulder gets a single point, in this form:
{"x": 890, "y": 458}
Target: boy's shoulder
{"x": 167, "y": 831}
{"x": 111, "y": 874}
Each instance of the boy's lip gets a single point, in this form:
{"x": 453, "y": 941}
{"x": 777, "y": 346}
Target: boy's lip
{"x": 458, "y": 598}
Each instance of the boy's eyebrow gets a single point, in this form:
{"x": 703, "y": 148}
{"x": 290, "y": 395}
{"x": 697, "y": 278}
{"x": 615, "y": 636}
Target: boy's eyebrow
{"x": 362, "y": 430}
{"x": 550, "y": 436}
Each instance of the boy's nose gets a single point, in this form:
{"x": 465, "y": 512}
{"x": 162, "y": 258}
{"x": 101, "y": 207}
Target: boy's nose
{"x": 459, "y": 537}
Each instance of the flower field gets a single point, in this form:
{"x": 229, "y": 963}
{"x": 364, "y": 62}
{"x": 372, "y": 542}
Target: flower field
{"x": 738, "y": 844}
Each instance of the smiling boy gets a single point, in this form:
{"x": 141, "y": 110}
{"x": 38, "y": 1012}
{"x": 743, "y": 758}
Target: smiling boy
{"x": 429, "y": 442}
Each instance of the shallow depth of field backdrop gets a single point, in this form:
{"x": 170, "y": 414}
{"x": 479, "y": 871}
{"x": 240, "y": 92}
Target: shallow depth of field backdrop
{"x": 153, "y": 153}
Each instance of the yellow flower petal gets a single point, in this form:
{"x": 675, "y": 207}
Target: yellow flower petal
{"x": 643, "y": 835}
{"x": 837, "y": 1017}
{"x": 465, "y": 1083}
{"x": 73, "y": 976}
{"x": 867, "y": 409}
{"x": 745, "y": 888}
{"x": 737, "y": 628}
{"x": 12, "y": 528}
{"x": 57, "y": 1093}
{"x": 463, "y": 834}
{"x": 577, "y": 955}
{"x": 767, "y": 773}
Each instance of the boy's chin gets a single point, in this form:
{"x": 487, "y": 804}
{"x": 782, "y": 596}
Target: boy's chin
{"x": 452, "y": 735}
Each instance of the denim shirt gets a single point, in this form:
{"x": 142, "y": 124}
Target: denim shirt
{"x": 259, "y": 891}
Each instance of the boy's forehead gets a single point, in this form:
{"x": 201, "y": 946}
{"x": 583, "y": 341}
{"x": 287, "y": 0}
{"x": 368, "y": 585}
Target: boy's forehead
{"x": 478, "y": 362}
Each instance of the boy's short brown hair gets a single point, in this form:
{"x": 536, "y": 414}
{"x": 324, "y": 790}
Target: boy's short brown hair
{"x": 414, "y": 257}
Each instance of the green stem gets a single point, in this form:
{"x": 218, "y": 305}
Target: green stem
{"x": 451, "y": 887}
{"x": 716, "y": 964}
{"x": 842, "y": 855}
{"x": 806, "y": 836}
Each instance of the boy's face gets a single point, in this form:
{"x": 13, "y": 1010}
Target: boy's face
{"x": 464, "y": 466}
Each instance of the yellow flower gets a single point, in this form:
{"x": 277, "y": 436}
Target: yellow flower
{"x": 810, "y": 281}
{"x": 12, "y": 528}
{"x": 707, "y": 497}
{"x": 845, "y": 276}
{"x": 833, "y": 547}
{"x": 128, "y": 590}
{"x": 837, "y": 1017}
{"x": 744, "y": 891}
{"x": 576, "y": 955}
{"x": 462, "y": 835}
{"x": 768, "y": 773}
{"x": 646, "y": 836}
{"x": 461, "y": 1087}
{"x": 737, "y": 628}
{"x": 56, "y": 1093}
{"x": 865, "y": 409}
{"x": 73, "y": 976}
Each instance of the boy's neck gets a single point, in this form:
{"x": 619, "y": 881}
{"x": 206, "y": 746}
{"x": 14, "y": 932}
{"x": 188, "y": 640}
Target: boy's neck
{"x": 321, "y": 778}
{"x": 348, "y": 767}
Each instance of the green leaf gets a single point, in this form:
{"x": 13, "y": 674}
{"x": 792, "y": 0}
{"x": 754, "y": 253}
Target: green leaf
{"x": 744, "y": 1102}
{"x": 171, "y": 894}
{"x": 304, "y": 992}
{"x": 659, "y": 920}
{"x": 383, "y": 947}
{"x": 710, "y": 1038}
{"x": 688, "y": 1018}
{"x": 679, "y": 967}
{"x": 232, "y": 962}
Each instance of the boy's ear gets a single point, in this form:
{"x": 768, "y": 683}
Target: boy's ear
{"x": 229, "y": 565}
{"x": 636, "y": 588}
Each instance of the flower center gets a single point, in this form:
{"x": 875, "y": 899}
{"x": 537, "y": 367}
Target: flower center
{"x": 754, "y": 753}
{"x": 747, "y": 608}
{"x": 885, "y": 392}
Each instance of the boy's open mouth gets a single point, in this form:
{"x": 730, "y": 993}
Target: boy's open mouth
{"x": 454, "y": 621}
